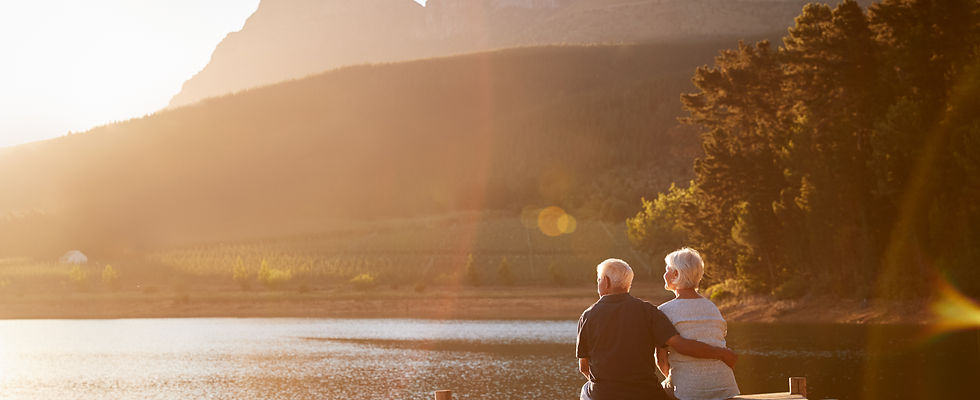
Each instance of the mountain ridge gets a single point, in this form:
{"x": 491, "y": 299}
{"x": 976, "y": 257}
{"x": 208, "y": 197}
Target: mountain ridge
{"x": 288, "y": 39}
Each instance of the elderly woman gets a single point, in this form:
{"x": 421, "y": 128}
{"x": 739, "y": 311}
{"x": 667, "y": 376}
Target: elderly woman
{"x": 697, "y": 318}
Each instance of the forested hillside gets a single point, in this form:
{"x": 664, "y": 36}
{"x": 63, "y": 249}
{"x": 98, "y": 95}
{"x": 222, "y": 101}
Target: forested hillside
{"x": 845, "y": 161}
{"x": 588, "y": 128}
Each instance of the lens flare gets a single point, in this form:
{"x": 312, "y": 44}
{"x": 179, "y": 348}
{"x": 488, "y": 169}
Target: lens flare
{"x": 952, "y": 311}
{"x": 567, "y": 223}
{"x": 553, "y": 221}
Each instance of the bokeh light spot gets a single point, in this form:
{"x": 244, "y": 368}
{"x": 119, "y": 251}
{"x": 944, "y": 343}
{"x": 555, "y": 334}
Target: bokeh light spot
{"x": 567, "y": 223}
{"x": 553, "y": 221}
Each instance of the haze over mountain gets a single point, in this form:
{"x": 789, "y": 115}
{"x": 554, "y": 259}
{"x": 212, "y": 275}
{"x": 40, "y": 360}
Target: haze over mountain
{"x": 589, "y": 128}
{"x": 287, "y": 39}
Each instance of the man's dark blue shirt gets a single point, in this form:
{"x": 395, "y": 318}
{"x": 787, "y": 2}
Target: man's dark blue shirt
{"x": 619, "y": 335}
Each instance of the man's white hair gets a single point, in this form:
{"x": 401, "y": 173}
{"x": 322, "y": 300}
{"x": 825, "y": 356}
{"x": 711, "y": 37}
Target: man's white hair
{"x": 689, "y": 266}
{"x": 617, "y": 271}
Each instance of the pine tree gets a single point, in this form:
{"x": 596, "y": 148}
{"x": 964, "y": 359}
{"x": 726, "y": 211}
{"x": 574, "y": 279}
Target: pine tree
{"x": 746, "y": 122}
{"x": 830, "y": 57}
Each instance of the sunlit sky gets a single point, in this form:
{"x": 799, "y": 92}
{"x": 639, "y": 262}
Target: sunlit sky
{"x": 70, "y": 65}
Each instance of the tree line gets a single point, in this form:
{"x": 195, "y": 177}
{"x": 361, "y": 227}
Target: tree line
{"x": 844, "y": 161}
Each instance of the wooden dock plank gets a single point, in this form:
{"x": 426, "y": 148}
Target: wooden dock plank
{"x": 797, "y": 390}
{"x": 797, "y": 387}
{"x": 769, "y": 396}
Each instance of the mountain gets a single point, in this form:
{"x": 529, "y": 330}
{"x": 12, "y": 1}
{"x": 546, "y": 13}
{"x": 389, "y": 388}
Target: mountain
{"x": 587, "y": 128}
{"x": 289, "y": 39}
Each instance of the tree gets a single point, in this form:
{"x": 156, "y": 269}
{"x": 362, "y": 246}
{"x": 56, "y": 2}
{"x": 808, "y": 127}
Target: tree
{"x": 739, "y": 105}
{"x": 504, "y": 274}
{"x": 931, "y": 48}
{"x": 363, "y": 281}
{"x": 78, "y": 276}
{"x": 241, "y": 275}
{"x": 849, "y": 154}
{"x": 830, "y": 58}
{"x": 470, "y": 273}
{"x": 110, "y": 277}
{"x": 659, "y": 227}
{"x": 556, "y": 275}
{"x": 272, "y": 278}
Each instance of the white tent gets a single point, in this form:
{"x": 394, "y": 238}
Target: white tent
{"x": 74, "y": 257}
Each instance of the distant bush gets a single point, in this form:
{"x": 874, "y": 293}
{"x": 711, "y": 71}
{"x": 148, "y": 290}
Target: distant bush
{"x": 78, "y": 277}
{"x": 504, "y": 274}
{"x": 363, "y": 281}
{"x": 726, "y": 290}
{"x": 555, "y": 274}
{"x": 182, "y": 298}
{"x": 470, "y": 273}
{"x": 110, "y": 277}
{"x": 793, "y": 288}
{"x": 240, "y": 274}
{"x": 272, "y": 278}
{"x": 657, "y": 228}
{"x": 419, "y": 287}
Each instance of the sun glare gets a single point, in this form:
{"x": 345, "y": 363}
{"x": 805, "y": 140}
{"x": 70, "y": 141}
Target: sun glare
{"x": 952, "y": 311}
{"x": 71, "y": 65}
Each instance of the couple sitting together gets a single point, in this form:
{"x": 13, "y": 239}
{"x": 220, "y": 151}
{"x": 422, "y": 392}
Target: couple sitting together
{"x": 623, "y": 340}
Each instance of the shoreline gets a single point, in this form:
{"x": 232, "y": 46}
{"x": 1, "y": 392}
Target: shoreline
{"x": 493, "y": 303}
{"x": 828, "y": 309}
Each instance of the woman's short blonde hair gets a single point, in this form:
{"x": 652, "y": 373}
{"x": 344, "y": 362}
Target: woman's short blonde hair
{"x": 689, "y": 266}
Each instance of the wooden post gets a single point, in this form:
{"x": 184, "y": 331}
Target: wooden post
{"x": 797, "y": 385}
{"x": 444, "y": 395}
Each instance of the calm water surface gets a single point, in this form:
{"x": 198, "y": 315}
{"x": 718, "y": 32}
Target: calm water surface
{"x": 408, "y": 359}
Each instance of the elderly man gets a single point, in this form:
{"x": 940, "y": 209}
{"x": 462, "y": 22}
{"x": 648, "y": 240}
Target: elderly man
{"x": 618, "y": 336}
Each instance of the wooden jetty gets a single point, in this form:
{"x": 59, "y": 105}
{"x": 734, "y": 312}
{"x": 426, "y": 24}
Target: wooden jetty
{"x": 797, "y": 391}
{"x": 444, "y": 395}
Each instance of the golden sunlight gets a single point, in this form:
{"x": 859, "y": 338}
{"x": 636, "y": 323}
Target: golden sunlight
{"x": 331, "y": 199}
{"x": 953, "y": 311}
{"x": 70, "y": 66}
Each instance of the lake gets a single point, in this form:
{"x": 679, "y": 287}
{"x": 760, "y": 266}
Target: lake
{"x": 409, "y": 359}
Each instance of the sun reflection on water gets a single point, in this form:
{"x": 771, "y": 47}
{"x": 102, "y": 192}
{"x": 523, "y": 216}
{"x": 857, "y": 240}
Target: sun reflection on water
{"x": 8, "y": 363}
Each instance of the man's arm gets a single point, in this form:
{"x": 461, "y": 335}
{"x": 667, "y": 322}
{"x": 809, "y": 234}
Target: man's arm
{"x": 697, "y": 349}
{"x": 583, "y": 367}
{"x": 662, "y": 362}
